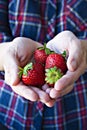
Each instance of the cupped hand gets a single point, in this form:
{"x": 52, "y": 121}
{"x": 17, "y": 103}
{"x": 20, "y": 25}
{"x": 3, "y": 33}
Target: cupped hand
{"x": 18, "y": 53}
{"x": 76, "y": 50}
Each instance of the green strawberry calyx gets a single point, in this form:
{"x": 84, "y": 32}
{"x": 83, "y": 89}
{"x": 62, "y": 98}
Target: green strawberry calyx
{"x": 20, "y": 71}
{"x": 64, "y": 54}
{"x": 47, "y": 50}
{"x": 27, "y": 67}
{"x": 23, "y": 71}
{"x": 52, "y": 75}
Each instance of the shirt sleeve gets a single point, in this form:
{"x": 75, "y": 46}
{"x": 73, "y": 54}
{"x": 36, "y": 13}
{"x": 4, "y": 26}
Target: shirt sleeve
{"x": 5, "y": 32}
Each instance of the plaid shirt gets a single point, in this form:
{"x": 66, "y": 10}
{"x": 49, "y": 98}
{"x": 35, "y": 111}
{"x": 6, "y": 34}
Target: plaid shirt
{"x": 41, "y": 20}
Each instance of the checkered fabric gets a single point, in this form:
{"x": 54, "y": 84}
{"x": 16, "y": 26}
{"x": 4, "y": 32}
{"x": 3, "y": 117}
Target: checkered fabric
{"x": 41, "y": 20}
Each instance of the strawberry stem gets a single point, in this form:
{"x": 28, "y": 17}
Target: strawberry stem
{"x": 47, "y": 50}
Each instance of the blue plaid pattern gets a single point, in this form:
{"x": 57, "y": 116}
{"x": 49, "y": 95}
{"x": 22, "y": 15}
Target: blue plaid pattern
{"x": 41, "y": 20}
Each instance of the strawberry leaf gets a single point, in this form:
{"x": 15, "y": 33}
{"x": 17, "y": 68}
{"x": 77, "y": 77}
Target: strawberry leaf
{"x": 64, "y": 54}
{"x": 20, "y": 71}
{"x": 27, "y": 67}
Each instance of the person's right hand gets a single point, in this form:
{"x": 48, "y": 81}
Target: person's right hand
{"x": 76, "y": 50}
{"x": 18, "y": 53}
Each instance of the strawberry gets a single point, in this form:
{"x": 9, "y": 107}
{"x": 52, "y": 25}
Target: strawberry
{"x": 41, "y": 54}
{"x": 33, "y": 74}
{"x": 55, "y": 68}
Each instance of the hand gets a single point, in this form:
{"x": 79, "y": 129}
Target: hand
{"x": 77, "y": 55}
{"x": 18, "y": 53}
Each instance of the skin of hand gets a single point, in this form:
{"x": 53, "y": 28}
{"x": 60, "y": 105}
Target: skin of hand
{"x": 76, "y": 50}
{"x": 18, "y": 53}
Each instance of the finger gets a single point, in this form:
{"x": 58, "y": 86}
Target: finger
{"x": 54, "y": 47}
{"x": 59, "y": 93}
{"x": 71, "y": 76}
{"x": 65, "y": 81}
{"x": 50, "y": 103}
{"x": 44, "y": 87}
{"x": 11, "y": 71}
{"x": 25, "y": 91}
{"x": 11, "y": 75}
{"x": 48, "y": 90}
{"x": 60, "y": 42}
{"x": 75, "y": 55}
{"x": 43, "y": 96}
{"x": 68, "y": 79}
{"x": 50, "y": 45}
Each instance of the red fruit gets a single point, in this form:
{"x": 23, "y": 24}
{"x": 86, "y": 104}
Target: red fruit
{"x": 41, "y": 54}
{"x": 56, "y": 60}
{"x": 33, "y": 74}
{"x": 55, "y": 68}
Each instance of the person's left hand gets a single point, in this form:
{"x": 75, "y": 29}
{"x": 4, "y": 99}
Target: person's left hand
{"x": 76, "y": 62}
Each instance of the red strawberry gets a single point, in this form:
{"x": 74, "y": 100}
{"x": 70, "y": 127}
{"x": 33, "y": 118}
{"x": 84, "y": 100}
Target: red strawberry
{"x": 55, "y": 68}
{"x": 33, "y": 74}
{"x": 41, "y": 54}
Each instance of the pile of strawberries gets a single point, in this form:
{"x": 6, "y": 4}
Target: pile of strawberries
{"x": 47, "y": 67}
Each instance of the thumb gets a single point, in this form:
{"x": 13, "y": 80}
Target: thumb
{"x": 72, "y": 63}
{"x": 11, "y": 73}
{"x": 74, "y": 59}
{"x": 75, "y": 54}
